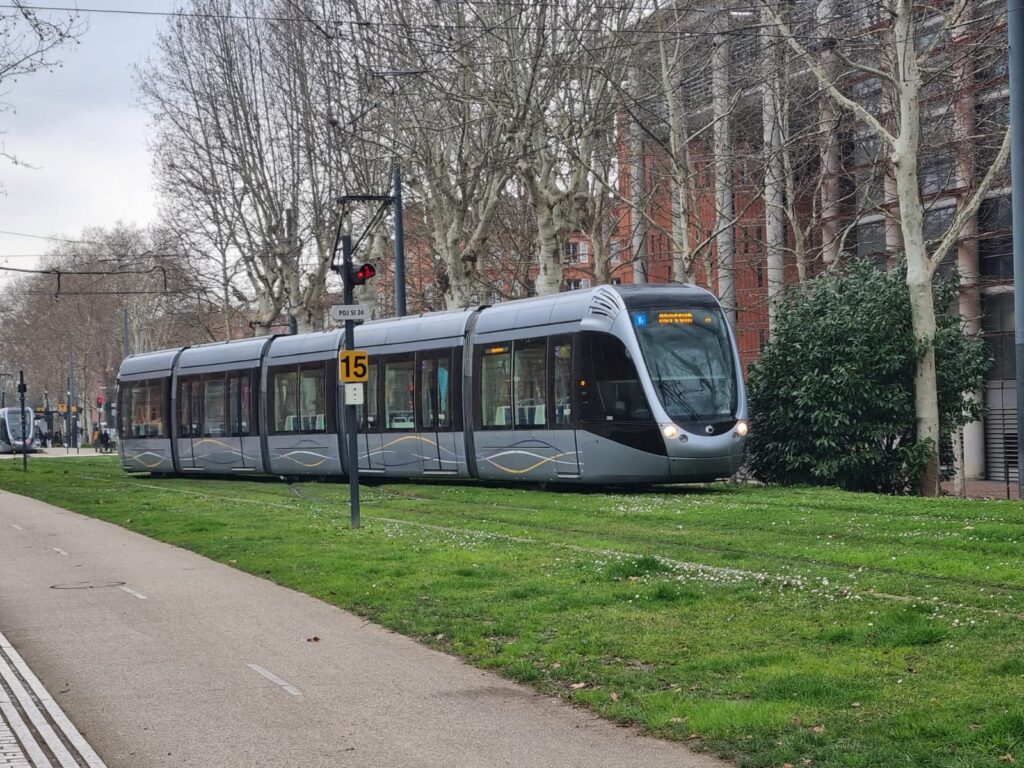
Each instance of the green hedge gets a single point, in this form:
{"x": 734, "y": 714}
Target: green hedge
{"x": 832, "y": 398}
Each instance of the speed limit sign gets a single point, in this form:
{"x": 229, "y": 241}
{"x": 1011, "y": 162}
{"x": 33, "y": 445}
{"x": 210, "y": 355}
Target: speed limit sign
{"x": 353, "y": 366}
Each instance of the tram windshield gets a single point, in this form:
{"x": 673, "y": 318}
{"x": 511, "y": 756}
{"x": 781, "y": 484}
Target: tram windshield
{"x": 10, "y": 419}
{"x": 689, "y": 356}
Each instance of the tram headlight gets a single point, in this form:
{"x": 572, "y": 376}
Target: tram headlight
{"x": 670, "y": 431}
{"x": 742, "y": 428}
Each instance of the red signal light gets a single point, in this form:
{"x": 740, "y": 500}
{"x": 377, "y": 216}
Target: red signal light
{"x": 364, "y": 273}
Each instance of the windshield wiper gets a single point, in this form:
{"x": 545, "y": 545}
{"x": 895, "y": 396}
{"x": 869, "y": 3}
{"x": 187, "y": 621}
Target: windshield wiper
{"x": 671, "y": 392}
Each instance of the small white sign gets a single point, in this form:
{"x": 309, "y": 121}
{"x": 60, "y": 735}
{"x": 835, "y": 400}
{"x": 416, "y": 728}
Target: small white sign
{"x": 354, "y": 394}
{"x": 342, "y": 312}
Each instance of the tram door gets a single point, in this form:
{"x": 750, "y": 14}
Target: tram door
{"x": 237, "y": 422}
{"x": 370, "y": 444}
{"x": 436, "y": 378}
{"x": 563, "y": 433}
{"x": 190, "y": 419}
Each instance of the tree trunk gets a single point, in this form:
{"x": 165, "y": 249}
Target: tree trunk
{"x": 637, "y": 185}
{"x": 831, "y": 211}
{"x": 919, "y": 268}
{"x": 774, "y": 173}
{"x": 724, "y": 203}
{"x": 926, "y": 405}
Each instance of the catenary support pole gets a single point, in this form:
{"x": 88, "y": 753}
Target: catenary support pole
{"x": 350, "y": 410}
{"x": 1015, "y": 32}
{"x": 126, "y": 342}
{"x": 24, "y": 422}
{"x": 399, "y": 246}
{"x": 72, "y": 397}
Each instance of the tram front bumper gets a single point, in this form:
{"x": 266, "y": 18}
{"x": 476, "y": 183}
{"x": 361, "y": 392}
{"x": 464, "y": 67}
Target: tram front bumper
{"x": 705, "y": 459}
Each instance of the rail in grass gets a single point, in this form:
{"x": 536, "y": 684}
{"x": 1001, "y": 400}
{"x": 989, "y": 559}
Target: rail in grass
{"x": 613, "y": 384}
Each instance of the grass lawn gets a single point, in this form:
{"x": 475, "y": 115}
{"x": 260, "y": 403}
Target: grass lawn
{"x": 810, "y": 627}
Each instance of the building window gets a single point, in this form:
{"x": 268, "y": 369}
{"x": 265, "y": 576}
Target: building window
{"x": 936, "y": 173}
{"x": 577, "y": 253}
{"x": 937, "y": 221}
{"x": 871, "y": 241}
{"x": 995, "y": 238}
{"x": 616, "y": 251}
{"x": 997, "y": 325}
{"x": 866, "y": 150}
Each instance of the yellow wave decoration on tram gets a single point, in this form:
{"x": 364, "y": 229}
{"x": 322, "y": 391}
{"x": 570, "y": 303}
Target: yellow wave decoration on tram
{"x": 291, "y": 457}
{"x": 160, "y": 459}
{"x": 510, "y": 470}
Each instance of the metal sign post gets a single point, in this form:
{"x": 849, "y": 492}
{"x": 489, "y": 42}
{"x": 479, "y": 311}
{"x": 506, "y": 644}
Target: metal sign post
{"x": 350, "y": 408}
{"x": 24, "y": 424}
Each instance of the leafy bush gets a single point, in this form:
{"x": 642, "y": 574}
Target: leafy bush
{"x": 832, "y": 398}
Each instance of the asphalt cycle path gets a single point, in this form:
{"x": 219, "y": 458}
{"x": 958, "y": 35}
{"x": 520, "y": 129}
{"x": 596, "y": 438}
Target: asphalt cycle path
{"x": 163, "y": 658}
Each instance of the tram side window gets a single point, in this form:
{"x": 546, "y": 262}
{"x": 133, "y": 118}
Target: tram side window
{"x": 366, "y": 415}
{"x": 530, "y": 384}
{"x": 561, "y": 369}
{"x": 435, "y": 391}
{"x": 239, "y": 404}
{"x": 286, "y": 401}
{"x": 612, "y": 391}
{"x": 495, "y": 366}
{"x": 399, "y": 392}
{"x": 190, "y": 402}
{"x": 214, "y": 423}
{"x": 147, "y": 401}
{"x": 312, "y": 399}
{"x": 300, "y": 399}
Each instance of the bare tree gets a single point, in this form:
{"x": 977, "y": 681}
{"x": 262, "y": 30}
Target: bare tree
{"x": 76, "y": 299}
{"x": 433, "y": 114}
{"x": 907, "y": 49}
{"x": 28, "y": 43}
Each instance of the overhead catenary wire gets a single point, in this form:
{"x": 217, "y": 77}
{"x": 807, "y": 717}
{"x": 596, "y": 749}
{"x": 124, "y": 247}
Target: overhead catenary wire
{"x": 482, "y": 27}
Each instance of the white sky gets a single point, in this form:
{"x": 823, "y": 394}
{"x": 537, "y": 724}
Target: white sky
{"x": 82, "y": 129}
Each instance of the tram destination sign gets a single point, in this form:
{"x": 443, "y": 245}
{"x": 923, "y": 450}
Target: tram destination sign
{"x": 343, "y": 312}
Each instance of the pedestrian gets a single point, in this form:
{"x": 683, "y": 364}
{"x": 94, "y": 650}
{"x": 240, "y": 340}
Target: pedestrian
{"x": 104, "y": 441}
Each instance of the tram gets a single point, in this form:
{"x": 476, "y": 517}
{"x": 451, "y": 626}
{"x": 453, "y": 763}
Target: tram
{"x": 11, "y": 421}
{"x": 615, "y": 384}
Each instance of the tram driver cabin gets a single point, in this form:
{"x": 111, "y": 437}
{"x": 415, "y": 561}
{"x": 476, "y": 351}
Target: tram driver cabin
{"x": 621, "y": 384}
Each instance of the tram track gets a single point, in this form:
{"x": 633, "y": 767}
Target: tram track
{"x": 726, "y": 550}
{"x": 650, "y": 542}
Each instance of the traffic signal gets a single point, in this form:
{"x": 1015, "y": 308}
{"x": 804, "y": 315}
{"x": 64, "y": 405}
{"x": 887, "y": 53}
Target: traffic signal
{"x": 362, "y": 274}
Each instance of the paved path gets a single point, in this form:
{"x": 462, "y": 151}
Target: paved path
{"x": 163, "y": 658}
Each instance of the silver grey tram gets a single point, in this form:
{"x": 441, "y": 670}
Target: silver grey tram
{"x": 11, "y": 422}
{"x": 616, "y": 384}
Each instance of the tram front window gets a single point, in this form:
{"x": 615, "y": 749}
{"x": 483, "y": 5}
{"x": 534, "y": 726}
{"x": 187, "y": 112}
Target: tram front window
{"x": 689, "y": 356}
{"x": 12, "y": 422}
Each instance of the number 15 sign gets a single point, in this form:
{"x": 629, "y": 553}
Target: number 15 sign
{"x": 353, "y": 366}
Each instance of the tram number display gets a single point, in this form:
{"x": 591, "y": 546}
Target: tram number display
{"x": 353, "y": 366}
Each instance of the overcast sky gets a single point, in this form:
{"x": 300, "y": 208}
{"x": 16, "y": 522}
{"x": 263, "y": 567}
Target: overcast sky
{"x": 81, "y": 128}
